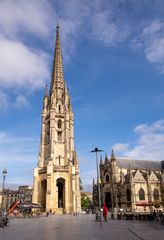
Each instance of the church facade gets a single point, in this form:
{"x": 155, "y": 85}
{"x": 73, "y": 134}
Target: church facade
{"x": 131, "y": 185}
{"x": 56, "y": 177}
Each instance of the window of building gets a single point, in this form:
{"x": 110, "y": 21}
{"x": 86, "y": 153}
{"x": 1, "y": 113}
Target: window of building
{"x": 141, "y": 194}
{"x": 107, "y": 178}
{"x": 156, "y": 195}
{"x": 59, "y": 123}
{"x": 59, "y": 159}
{"x": 59, "y": 136}
{"x": 48, "y": 132}
{"x": 128, "y": 195}
{"x": 48, "y": 128}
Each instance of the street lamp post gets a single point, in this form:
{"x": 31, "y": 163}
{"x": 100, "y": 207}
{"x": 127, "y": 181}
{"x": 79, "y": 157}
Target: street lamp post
{"x": 96, "y": 150}
{"x": 3, "y": 187}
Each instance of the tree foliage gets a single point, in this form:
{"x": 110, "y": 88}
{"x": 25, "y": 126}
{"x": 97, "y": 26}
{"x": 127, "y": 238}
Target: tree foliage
{"x": 85, "y": 201}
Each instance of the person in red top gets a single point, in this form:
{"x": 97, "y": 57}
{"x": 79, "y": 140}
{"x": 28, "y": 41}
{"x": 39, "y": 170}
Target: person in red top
{"x": 105, "y": 212}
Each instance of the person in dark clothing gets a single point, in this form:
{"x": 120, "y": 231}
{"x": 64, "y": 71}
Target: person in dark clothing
{"x": 161, "y": 216}
{"x": 155, "y": 215}
{"x": 97, "y": 215}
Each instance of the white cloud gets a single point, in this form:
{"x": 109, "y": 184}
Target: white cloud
{"x": 149, "y": 143}
{"x": 155, "y": 51}
{"x": 87, "y": 179}
{"x": 21, "y": 102}
{"x": 18, "y": 102}
{"x": 71, "y": 29}
{"x": 154, "y": 28}
{"x": 68, "y": 33}
{"x": 3, "y": 135}
{"x": 154, "y": 127}
{"x": 107, "y": 30}
{"x": 102, "y": 25}
{"x": 151, "y": 42}
{"x": 25, "y": 16}
{"x": 109, "y": 24}
{"x": 19, "y": 157}
{"x": 21, "y": 66}
{"x": 8, "y": 140}
{"x": 4, "y": 101}
{"x": 120, "y": 147}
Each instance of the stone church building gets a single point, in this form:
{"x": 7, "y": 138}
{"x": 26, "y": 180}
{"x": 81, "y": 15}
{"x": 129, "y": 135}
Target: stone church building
{"x": 56, "y": 177}
{"x": 131, "y": 185}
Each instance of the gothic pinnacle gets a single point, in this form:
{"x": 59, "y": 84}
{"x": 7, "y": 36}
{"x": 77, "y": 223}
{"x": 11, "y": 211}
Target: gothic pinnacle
{"x": 46, "y": 91}
{"x": 113, "y": 155}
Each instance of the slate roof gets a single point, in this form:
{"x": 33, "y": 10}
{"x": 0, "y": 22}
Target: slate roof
{"x": 140, "y": 164}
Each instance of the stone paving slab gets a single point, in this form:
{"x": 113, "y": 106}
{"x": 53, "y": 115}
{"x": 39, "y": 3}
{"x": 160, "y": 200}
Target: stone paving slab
{"x": 67, "y": 227}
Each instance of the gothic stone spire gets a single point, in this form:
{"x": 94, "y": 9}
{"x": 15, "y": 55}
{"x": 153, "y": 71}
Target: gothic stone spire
{"x": 57, "y": 82}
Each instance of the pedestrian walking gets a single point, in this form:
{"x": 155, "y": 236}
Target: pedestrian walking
{"x": 161, "y": 216}
{"x": 155, "y": 215}
{"x": 105, "y": 212}
{"x": 97, "y": 215}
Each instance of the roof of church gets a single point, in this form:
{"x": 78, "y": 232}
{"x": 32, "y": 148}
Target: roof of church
{"x": 140, "y": 164}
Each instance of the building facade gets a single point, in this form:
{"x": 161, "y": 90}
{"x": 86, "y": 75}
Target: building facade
{"x": 10, "y": 197}
{"x": 131, "y": 185}
{"x": 56, "y": 177}
{"x": 1, "y": 198}
{"x": 25, "y": 194}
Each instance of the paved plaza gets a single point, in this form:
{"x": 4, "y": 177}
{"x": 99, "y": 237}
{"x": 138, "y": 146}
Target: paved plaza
{"x": 67, "y": 227}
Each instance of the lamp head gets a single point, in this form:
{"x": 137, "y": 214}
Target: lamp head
{"x": 4, "y": 172}
{"x": 96, "y": 150}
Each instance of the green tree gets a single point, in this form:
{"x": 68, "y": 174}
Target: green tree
{"x": 85, "y": 201}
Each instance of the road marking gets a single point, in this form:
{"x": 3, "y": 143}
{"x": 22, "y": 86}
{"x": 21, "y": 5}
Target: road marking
{"x": 135, "y": 234}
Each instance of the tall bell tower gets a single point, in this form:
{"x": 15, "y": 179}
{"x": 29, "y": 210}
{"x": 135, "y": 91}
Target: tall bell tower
{"x": 56, "y": 177}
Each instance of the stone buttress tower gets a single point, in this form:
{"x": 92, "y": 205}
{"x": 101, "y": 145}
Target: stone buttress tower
{"x": 56, "y": 177}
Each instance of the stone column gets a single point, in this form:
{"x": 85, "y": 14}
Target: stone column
{"x": 35, "y": 187}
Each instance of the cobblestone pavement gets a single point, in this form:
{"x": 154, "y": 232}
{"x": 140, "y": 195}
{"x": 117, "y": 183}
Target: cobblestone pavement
{"x": 66, "y": 227}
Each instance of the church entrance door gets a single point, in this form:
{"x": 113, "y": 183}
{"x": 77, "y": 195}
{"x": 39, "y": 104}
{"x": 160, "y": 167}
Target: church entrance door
{"x": 108, "y": 200}
{"x": 43, "y": 193}
{"x": 61, "y": 192}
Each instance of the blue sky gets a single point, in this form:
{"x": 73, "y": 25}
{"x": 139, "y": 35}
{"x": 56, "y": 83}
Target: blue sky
{"x": 113, "y": 56}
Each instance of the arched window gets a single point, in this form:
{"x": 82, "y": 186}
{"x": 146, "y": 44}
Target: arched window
{"x": 128, "y": 195}
{"x": 156, "y": 194}
{"x": 59, "y": 136}
{"x": 59, "y": 123}
{"x": 48, "y": 127}
{"x": 48, "y": 132}
{"x": 107, "y": 178}
{"x": 141, "y": 194}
